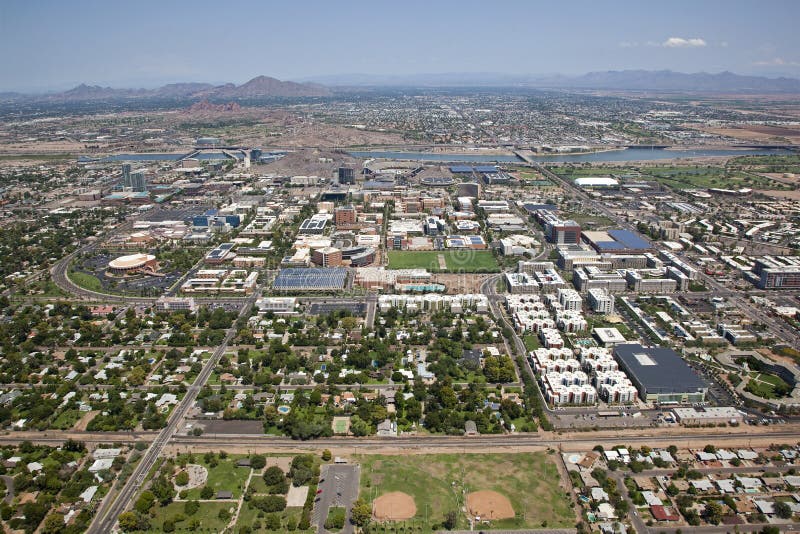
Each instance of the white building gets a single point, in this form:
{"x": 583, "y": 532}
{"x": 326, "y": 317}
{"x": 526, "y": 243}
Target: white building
{"x": 601, "y": 301}
{"x": 570, "y": 299}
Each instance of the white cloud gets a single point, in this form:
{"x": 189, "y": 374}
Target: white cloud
{"x": 777, "y": 62}
{"x": 680, "y": 42}
{"x": 628, "y": 44}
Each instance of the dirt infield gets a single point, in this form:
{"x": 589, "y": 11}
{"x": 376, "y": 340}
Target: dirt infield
{"x": 489, "y": 505}
{"x": 394, "y": 506}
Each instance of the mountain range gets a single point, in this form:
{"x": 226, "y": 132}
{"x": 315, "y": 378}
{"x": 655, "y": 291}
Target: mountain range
{"x": 266, "y": 87}
{"x": 258, "y": 87}
{"x": 624, "y": 80}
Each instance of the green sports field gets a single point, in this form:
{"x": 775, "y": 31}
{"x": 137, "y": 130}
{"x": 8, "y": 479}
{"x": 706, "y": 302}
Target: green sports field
{"x": 438, "y": 483}
{"x": 455, "y": 261}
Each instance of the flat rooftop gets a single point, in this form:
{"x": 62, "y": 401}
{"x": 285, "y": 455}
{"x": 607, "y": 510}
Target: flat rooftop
{"x": 658, "y": 370}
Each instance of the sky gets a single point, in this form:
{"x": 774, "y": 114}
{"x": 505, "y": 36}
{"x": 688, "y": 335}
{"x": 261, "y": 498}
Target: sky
{"x": 50, "y": 45}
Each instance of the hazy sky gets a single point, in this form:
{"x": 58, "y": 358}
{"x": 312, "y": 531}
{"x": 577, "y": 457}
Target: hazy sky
{"x": 56, "y": 44}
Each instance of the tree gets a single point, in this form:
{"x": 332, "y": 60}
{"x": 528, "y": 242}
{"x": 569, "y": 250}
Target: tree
{"x": 272, "y": 522}
{"x": 191, "y": 507}
{"x": 359, "y": 427}
{"x": 207, "y": 492}
{"x": 53, "y": 524}
{"x": 182, "y": 478}
{"x": 783, "y": 510}
{"x": 450, "y": 520}
{"x": 361, "y": 513}
{"x": 128, "y": 521}
{"x": 326, "y": 455}
{"x": 713, "y": 512}
{"x": 168, "y": 525}
{"x": 145, "y": 502}
{"x": 273, "y": 475}
{"x": 258, "y": 461}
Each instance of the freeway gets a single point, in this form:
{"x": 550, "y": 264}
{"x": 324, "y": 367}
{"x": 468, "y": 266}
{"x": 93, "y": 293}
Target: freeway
{"x": 109, "y": 511}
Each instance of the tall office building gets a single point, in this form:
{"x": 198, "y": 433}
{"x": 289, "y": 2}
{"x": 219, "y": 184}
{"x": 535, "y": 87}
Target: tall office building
{"x": 126, "y": 175}
{"x": 138, "y": 181}
{"x": 347, "y": 175}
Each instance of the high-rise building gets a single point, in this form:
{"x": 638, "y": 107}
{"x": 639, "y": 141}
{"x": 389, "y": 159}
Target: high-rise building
{"x": 126, "y": 175}
{"x": 138, "y": 181}
{"x": 347, "y": 175}
{"x": 345, "y": 215}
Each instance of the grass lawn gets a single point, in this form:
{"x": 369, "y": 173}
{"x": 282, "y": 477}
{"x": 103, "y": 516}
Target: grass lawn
{"x": 48, "y": 288}
{"x": 764, "y": 385}
{"x": 225, "y": 476}
{"x": 336, "y": 518}
{"x": 207, "y": 515}
{"x": 86, "y": 281}
{"x": 529, "y": 480}
{"x": 704, "y": 177}
{"x": 469, "y": 261}
{"x": 531, "y": 342}
{"x": 251, "y": 516}
{"x": 66, "y": 419}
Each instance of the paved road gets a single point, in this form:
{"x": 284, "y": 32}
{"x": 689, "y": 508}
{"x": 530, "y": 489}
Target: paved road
{"x": 110, "y": 509}
{"x": 372, "y": 304}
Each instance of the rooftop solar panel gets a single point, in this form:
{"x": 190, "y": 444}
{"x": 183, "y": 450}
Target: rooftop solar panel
{"x": 461, "y": 169}
{"x": 629, "y": 239}
{"x": 311, "y": 279}
{"x": 609, "y": 245}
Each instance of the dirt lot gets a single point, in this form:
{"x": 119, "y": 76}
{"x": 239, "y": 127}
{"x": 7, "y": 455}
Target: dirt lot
{"x": 489, "y": 505}
{"x": 394, "y": 506}
{"x": 460, "y": 283}
{"x": 788, "y": 195}
{"x": 84, "y": 421}
{"x": 229, "y": 427}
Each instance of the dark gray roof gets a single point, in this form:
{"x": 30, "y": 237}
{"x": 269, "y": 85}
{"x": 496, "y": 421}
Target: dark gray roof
{"x": 658, "y": 370}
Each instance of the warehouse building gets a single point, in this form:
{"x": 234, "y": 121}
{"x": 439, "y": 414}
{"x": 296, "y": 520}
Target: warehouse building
{"x": 708, "y": 415}
{"x": 660, "y": 375}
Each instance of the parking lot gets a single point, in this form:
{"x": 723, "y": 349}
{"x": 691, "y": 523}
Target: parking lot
{"x": 338, "y": 487}
{"x": 324, "y": 308}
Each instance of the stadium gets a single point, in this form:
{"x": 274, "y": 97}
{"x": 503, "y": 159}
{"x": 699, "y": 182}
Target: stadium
{"x": 437, "y": 181}
{"x": 134, "y": 263}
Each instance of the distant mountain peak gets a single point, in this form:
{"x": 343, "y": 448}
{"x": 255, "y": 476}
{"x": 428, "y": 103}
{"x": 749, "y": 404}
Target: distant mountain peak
{"x": 258, "y": 87}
